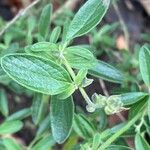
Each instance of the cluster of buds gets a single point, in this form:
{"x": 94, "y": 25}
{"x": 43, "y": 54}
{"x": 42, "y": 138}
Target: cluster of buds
{"x": 111, "y": 104}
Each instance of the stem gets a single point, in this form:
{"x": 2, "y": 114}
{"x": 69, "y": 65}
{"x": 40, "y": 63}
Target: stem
{"x": 33, "y": 142}
{"x": 69, "y": 69}
{"x": 83, "y": 92}
{"x": 86, "y": 97}
{"x": 121, "y": 131}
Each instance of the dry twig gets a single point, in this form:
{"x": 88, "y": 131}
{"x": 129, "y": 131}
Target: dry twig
{"x": 22, "y": 12}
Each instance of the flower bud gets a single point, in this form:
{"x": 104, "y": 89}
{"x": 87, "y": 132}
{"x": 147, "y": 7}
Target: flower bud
{"x": 90, "y": 108}
{"x": 86, "y": 82}
{"x": 114, "y": 104}
{"x": 99, "y": 100}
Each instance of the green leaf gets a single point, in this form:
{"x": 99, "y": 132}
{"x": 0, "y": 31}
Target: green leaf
{"x": 31, "y": 24}
{"x": 83, "y": 127}
{"x": 55, "y": 34}
{"x": 44, "y": 21}
{"x": 133, "y": 97}
{"x": 11, "y": 144}
{"x": 3, "y": 76}
{"x": 19, "y": 115}
{"x": 149, "y": 109}
{"x": 37, "y": 74}
{"x": 9, "y": 127}
{"x": 44, "y": 144}
{"x": 71, "y": 143}
{"x": 2, "y": 147}
{"x": 38, "y": 108}
{"x": 80, "y": 57}
{"x": 41, "y": 47}
{"x": 137, "y": 107}
{"x": 65, "y": 29}
{"x": 96, "y": 141}
{"x": 99, "y": 138}
{"x": 88, "y": 16}
{"x": 140, "y": 143}
{"x": 80, "y": 76}
{"x": 144, "y": 57}
{"x": 117, "y": 134}
{"x": 43, "y": 126}
{"x": 62, "y": 112}
{"x": 3, "y": 103}
{"x": 107, "y": 72}
{"x": 68, "y": 92}
{"x": 118, "y": 147}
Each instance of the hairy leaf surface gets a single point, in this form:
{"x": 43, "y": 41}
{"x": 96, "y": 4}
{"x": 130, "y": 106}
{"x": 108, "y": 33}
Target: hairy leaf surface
{"x": 144, "y": 60}
{"x": 36, "y": 73}
{"x": 107, "y": 72}
{"x": 62, "y": 112}
{"x": 80, "y": 57}
{"x": 88, "y": 16}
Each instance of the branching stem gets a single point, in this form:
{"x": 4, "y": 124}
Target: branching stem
{"x": 83, "y": 92}
{"x": 120, "y": 132}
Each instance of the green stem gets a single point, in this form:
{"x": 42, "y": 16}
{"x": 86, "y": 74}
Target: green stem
{"x": 32, "y": 143}
{"x": 86, "y": 97}
{"x": 69, "y": 69}
{"x": 83, "y": 92}
{"x": 121, "y": 131}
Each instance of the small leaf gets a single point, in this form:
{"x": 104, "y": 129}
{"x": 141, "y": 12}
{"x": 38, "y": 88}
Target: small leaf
{"x": 118, "y": 147}
{"x": 137, "y": 107}
{"x": 71, "y": 143}
{"x": 80, "y": 57}
{"x": 62, "y": 112}
{"x": 96, "y": 141}
{"x": 2, "y": 72}
{"x": 44, "y": 144}
{"x": 9, "y": 127}
{"x": 107, "y": 72}
{"x": 55, "y": 34}
{"x": 11, "y": 144}
{"x": 80, "y": 76}
{"x": 68, "y": 92}
{"x": 133, "y": 97}
{"x": 86, "y": 82}
{"x": 38, "y": 108}
{"x": 140, "y": 143}
{"x": 83, "y": 127}
{"x": 88, "y": 16}
{"x": 41, "y": 47}
{"x": 44, "y": 21}
{"x": 19, "y": 115}
{"x": 65, "y": 29}
{"x": 149, "y": 109}
{"x": 3, "y": 103}
{"x": 144, "y": 57}
{"x": 43, "y": 126}
{"x": 37, "y": 74}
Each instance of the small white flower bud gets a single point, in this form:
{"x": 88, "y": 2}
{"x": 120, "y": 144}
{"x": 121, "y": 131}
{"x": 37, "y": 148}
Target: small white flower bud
{"x": 90, "y": 108}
